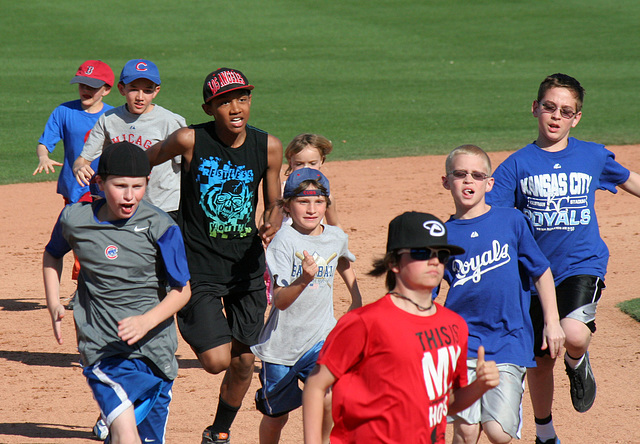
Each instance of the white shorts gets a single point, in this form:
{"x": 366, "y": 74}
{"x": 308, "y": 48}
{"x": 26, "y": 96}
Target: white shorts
{"x": 502, "y": 404}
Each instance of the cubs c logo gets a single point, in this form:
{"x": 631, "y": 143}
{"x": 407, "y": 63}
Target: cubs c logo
{"x": 141, "y": 66}
{"x": 111, "y": 252}
{"x": 435, "y": 228}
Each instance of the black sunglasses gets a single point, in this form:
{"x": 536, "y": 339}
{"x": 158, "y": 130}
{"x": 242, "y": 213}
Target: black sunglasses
{"x": 423, "y": 254}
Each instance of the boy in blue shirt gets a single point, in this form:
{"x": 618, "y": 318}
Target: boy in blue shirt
{"x": 129, "y": 251}
{"x": 553, "y": 181}
{"x": 71, "y": 122}
{"x": 486, "y": 287}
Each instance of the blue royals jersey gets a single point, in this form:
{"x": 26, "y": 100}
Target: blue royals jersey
{"x": 556, "y": 190}
{"x": 489, "y": 283}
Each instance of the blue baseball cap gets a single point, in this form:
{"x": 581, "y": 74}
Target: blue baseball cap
{"x": 299, "y": 176}
{"x": 140, "y": 69}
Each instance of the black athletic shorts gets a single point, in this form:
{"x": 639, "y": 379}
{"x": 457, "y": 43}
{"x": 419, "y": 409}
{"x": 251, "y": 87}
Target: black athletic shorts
{"x": 577, "y": 298}
{"x": 217, "y": 313}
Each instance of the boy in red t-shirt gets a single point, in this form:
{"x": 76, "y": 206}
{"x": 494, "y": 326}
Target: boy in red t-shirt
{"x": 398, "y": 365}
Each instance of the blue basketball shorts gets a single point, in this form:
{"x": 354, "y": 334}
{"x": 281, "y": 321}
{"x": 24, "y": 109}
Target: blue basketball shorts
{"x": 119, "y": 383}
{"x": 280, "y": 392}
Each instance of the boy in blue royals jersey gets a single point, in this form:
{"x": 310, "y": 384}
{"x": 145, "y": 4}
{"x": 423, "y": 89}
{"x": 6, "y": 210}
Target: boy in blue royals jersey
{"x": 553, "y": 181}
{"x": 486, "y": 288}
{"x": 224, "y": 161}
{"x": 124, "y": 316}
{"x": 303, "y": 258}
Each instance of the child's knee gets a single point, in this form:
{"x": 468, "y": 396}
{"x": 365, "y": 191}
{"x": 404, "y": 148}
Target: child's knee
{"x": 495, "y": 433}
{"x": 277, "y": 422}
{"x": 577, "y": 334}
{"x": 214, "y": 363}
{"x": 466, "y": 433}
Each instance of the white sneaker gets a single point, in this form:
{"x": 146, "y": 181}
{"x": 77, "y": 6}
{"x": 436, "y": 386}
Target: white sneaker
{"x": 100, "y": 430}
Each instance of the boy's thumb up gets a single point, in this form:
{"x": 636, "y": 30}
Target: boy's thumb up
{"x": 480, "y": 356}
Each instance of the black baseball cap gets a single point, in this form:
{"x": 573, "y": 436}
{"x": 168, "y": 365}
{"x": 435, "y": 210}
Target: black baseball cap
{"x": 418, "y": 230}
{"x": 223, "y": 80}
{"x": 124, "y": 159}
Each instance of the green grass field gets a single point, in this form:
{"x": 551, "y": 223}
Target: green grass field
{"x": 379, "y": 78}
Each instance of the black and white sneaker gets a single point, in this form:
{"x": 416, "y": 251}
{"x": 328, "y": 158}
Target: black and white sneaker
{"x": 583, "y": 385}
{"x": 208, "y": 437}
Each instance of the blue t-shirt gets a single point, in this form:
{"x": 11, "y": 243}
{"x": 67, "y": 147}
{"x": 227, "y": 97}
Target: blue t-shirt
{"x": 556, "y": 190}
{"x": 489, "y": 283}
{"x": 71, "y": 124}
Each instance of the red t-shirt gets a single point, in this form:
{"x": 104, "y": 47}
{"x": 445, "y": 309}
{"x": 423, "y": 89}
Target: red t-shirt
{"x": 394, "y": 371}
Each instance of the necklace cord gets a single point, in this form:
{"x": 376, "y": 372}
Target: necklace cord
{"x": 418, "y": 306}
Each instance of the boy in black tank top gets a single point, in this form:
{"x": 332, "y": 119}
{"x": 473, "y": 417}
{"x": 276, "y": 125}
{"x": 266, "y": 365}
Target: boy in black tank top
{"x": 223, "y": 163}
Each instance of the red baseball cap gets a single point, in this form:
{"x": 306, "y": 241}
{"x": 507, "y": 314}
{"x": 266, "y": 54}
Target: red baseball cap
{"x": 94, "y": 73}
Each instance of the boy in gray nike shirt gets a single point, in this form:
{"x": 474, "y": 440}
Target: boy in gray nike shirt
{"x": 129, "y": 252}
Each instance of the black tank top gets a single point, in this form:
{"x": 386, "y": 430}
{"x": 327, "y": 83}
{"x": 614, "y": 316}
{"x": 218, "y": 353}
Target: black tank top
{"x": 219, "y": 195}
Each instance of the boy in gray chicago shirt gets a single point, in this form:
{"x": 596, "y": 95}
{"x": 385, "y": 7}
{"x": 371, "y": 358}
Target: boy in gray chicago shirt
{"x": 302, "y": 261}
{"x": 141, "y": 122}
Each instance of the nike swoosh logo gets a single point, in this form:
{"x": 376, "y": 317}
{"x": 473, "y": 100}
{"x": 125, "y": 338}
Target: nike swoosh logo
{"x": 138, "y": 229}
{"x": 149, "y": 440}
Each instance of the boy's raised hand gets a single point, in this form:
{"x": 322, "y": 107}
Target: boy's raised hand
{"x": 309, "y": 266}
{"x": 487, "y": 371}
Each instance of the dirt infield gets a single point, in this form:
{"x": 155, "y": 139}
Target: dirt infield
{"x": 44, "y": 398}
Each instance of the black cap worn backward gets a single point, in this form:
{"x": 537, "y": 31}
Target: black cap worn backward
{"x": 418, "y": 230}
{"x": 124, "y": 159}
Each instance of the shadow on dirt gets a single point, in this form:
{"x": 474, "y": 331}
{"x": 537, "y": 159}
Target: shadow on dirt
{"x": 63, "y": 432}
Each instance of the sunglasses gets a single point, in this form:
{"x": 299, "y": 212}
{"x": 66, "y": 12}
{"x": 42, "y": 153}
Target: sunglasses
{"x": 551, "y": 108}
{"x": 423, "y": 254}
{"x": 462, "y": 174}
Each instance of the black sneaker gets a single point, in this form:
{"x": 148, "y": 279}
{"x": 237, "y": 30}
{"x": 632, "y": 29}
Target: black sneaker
{"x": 554, "y": 440}
{"x": 583, "y": 385}
{"x": 208, "y": 437}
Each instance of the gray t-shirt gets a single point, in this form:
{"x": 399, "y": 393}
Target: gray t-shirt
{"x": 288, "y": 334}
{"x": 119, "y": 125}
{"x": 122, "y": 275}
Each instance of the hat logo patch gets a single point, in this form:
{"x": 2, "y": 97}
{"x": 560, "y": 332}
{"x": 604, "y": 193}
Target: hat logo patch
{"x": 223, "y": 79}
{"x": 111, "y": 252}
{"x": 89, "y": 70}
{"x": 141, "y": 66}
{"x": 435, "y": 228}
